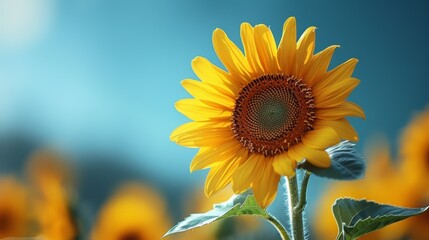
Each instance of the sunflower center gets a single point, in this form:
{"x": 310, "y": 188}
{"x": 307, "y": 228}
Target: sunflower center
{"x": 272, "y": 113}
{"x": 131, "y": 236}
{"x": 5, "y": 221}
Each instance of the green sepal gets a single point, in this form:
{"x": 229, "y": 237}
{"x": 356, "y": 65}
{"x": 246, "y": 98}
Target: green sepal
{"x": 357, "y": 217}
{"x": 242, "y": 204}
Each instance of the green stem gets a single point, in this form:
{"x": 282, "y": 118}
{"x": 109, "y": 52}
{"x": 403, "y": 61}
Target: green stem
{"x": 303, "y": 193}
{"x": 295, "y": 214}
{"x": 280, "y": 228}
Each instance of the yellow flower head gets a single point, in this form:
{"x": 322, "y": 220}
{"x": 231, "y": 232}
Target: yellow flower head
{"x": 135, "y": 212}
{"x": 414, "y": 169}
{"x": 415, "y": 153}
{"x": 274, "y": 107}
{"x": 45, "y": 165}
{"x": 50, "y": 177}
{"x": 14, "y": 209}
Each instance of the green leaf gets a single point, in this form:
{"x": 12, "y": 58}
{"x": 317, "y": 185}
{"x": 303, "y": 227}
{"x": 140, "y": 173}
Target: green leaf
{"x": 358, "y": 217}
{"x": 243, "y": 204}
{"x": 346, "y": 163}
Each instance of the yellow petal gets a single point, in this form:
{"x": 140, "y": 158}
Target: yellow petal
{"x": 318, "y": 66}
{"x": 231, "y": 56}
{"x": 247, "y": 173}
{"x": 208, "y": 94}
{"x": 267, "y": 49}
{"x": 287, "y": 47}
{"x": 200, "y": 161}
{"x": 220, "y": 176}
{"x": 283, "y": 165}
{"x": 343, "y": 71}
{"x": 210, "y": 156}
{"x": 343, "y": 128}
{"x": 345, "y": 109}
{"x": 201, "y": 134}
{"x": 210, "y": 73}
{"x": 321, "y": 138}
{"x": 251, "y": 53}
{"x": 196, "y": 110}
{"x": 265, "y": 189}
{"x": 305, "y": 49}
{"x": 336, "y": 94}
{"x": 319, "y": 158}
{"x": 295, "y": 155}
{"x": 209, "y": 139}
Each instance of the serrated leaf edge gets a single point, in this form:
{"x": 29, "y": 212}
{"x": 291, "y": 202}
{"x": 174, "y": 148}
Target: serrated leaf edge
{"x": 368, "y": 218}
{"x": 234, "y": 207}
{"x": 389, "y": 215}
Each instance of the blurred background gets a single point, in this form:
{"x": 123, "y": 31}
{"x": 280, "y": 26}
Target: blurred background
{"x": 87, "y": 92}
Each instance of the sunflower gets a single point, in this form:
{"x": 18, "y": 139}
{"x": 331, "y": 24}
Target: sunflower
{"x": 382, "y": 183}
{"x": 50, "y": 180}
{"x": 135, "y": 212}
{"x": 415, "y": 153}
{"x": 14, "y": 208}
{"x": 415, "y": 168}
{"x": 272, "y": 108}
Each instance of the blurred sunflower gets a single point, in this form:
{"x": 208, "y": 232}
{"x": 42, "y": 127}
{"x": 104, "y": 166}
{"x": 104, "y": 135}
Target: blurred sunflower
{"x": 273, "y": 107}
{"x": 14, "y": 208}
{"x": 419, "y": 225}
{"x": 383, "y": 183}
{"x": 414, "y": 169}
{"x": 415, "y": 153}
{"x": 135, "y": 212}
{"x": 51, "y": 183}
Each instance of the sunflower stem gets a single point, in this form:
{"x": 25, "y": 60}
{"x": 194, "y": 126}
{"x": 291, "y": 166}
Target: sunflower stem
{"x": 295, "y": 212}
{"x": 280, "y": 228}
{"x": 303, "y": 193}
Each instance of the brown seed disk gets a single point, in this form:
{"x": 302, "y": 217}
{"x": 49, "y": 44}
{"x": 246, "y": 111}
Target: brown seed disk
{"x": 131, "y": 236}
{"x": 272, "y": 113}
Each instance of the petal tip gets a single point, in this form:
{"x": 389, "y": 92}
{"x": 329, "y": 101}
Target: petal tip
{"x": 173, "y": 137}
{"x": 289, "y": 25}
{"x": 354, "y": 60}
{"x": 208, "y": 192}
{"x": 245, "y": 24}
{"x": 261, "y": 26}
{"x": 218, "y": 31}
{"x": 187, "y": 82}
{"x": 290, "y": 19}
{"x": 177, "y": 105}
{"x": 196, "y": 59}
{"x": 312, "y": 29}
